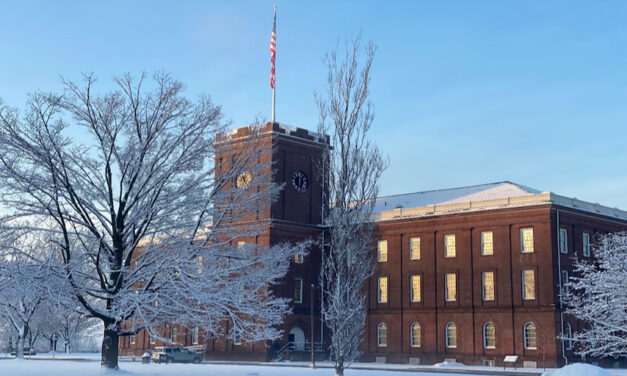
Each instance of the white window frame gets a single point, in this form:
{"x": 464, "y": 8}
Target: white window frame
{"x": 522, "y": 240}
{"x": 483, "y": 286}
{"x": 380, "y": 290}
{"x": 523, "y": 283}
{"x": 241, "y": 245}
{"x": 132, "y": 339}
{"x": 450, "y": 328}
{"x": 450, "y": 252}
{"x": 298, "y": 284}
{"x": 412, "y": 295}
{"x": 382, "y": 256}
{"x": 568, "y": 333}
{"x": 485, "y": 336}
{"x": 563, "y": 241}
{"x": 526, "y": 337}
{"x": 382, "y": 340}
{"x": 412, "y": 339}
{"x": 447, "y": 287}
{"x": 484, "y": 250}
{"x": 414, "y": 252}
{"x": 195, "y": 336}
{"x": 565, "y": 281}
{"x": 586, "y": 244}
{"x": 237, "y": 338}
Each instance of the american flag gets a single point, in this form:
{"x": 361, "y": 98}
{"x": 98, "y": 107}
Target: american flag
{"x": 273, "y": 50}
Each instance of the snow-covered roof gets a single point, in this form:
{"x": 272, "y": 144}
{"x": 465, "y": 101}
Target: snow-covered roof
{"x": 491, "y": 191}
{"x": 478, "y": 197}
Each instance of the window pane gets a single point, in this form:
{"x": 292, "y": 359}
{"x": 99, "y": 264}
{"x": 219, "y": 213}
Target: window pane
{"x": 489, "y": 336}
{"x": 382, "y": 335}
{"x": 414, "y": 248}
{"x": 563, "y": 240}
{"x": 450, "y": 287}
{"x": 586, "y": 244}
{"x": 298, "y": 258}
{"x": 415, "y": 288}
{"x": 487, "y": 246}
{"x": 195, "y": 336}
{"x": 383, "y": 289}
{"x": 298, "y": 290}
{"x": 530, "y": 336}
{"x": 526, "y": 240}
{"x": 415, "y": 335}
{"x": 487, "y": 280}
{"x": 241, "y": 245}
{"x": 529, "y": 284}
{"x": 382, "y": 250}
{"x": 451, "y": 335}
{"x": 449, "y": 245}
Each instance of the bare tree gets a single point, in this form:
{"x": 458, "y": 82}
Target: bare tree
{"x": 24, "y": 276}
{"x": 352, "y": 168}
{"x": 597, "y": 295}
{"x": 144, "y": 194}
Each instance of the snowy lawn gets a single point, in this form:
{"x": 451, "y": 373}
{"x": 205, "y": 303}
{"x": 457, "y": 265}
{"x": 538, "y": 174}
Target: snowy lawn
{"x": 88, "y": 368}
{"x": 89, "y": 365}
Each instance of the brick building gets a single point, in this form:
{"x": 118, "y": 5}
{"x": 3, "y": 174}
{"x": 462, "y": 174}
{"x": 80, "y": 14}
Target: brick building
{"x": 474, "y": 274}
{"x": 471, "y": 274}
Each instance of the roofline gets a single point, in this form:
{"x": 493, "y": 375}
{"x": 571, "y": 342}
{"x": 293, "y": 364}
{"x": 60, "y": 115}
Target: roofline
{"x": 500, "y": 203}
{"x": 528, "y": 189}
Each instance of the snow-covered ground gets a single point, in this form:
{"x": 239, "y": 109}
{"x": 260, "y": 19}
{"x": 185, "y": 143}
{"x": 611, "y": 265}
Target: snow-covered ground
{"x": 89, "y": 365}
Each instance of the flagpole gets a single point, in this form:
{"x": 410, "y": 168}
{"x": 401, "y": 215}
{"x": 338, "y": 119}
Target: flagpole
{"x": 273, "y": 69}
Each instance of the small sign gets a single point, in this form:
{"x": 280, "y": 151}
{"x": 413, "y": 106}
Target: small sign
{"x": 510, "y": 359}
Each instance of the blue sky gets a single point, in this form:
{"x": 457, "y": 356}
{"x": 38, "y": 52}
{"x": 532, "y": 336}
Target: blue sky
{"x": 465, "y": 92}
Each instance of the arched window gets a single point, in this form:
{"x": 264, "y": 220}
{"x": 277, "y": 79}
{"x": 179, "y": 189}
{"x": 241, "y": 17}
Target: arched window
{"x": 451, "y": 335}
{"x": 382, "y": 335}
{"x": 529, "y": 331}
{"x": 415, "y": 335}
{"x": 489, "y": 335}
{"x": 568, "y": 333}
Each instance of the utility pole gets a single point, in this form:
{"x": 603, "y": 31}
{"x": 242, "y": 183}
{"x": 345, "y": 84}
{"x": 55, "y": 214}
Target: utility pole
{"x": 313, "y": 341}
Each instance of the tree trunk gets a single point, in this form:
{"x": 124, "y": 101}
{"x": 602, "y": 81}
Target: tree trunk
{"x": 19, "y": 347}
{"x": 109, "y": 355}
{"x": 339, "y": 368}
{"x": 66, "y": 346}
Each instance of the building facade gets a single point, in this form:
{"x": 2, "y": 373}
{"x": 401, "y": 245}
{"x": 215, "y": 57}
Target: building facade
{"x": 471, "y": 274}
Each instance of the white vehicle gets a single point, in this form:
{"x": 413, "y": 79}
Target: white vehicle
{"x": 164, "y": 354}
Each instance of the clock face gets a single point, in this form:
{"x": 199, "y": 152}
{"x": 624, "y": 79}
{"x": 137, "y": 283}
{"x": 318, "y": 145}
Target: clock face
{"x": 243, "y": 180}
{"x": 300, "y": 182}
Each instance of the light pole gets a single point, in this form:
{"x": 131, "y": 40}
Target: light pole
{"x": 313, "y": 288}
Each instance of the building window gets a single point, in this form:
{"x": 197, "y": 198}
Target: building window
{"x": 241, "y": 245}
{"x": 383, "y": 290}
{"x": 568, "y": 333}
{"x": 529, "y": 284}
{"x": 152, "y": 339}
{"x": 487, "y": 243}
{"x": 382, "y": 251}
{"x": 195, "y": 336}
{"x": 299, "y": 258}
{"x": 489, "y": 336}
{"x": 414, "y": 280}
{"x": 450, "y": 287}
{"x": 529, "y": 330}
{"x": 526, "y": 240}
{"x": 451, "y": 335}
{"x": 132, "y": 339}
{"x": 449, "y": 245}
{"x": 586, "y": 244}
{"x": 565, "y": 281}
{"x": 563, "y": 240}
{"x": 415, "y": 335}
{"x": 414, "y": 248}
{"x": 173, "y": 333}
{"x": 487, "y": 286}
{"x": 237, "y": 338}
{"x": 298, "y": 290}
{"x": 382, "y": 335}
